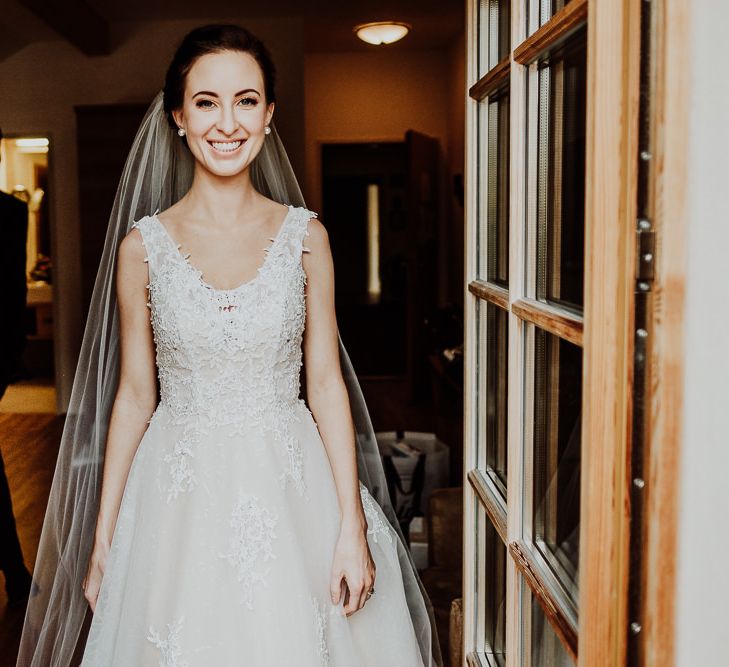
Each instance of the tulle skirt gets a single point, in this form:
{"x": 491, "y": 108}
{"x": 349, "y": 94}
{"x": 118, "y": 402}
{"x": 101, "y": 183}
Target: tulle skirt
{"x": 221, "y": 558}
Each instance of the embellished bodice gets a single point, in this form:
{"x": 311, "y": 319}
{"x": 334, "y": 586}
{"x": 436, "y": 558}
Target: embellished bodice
{"x": 228, "y": 357}
{"x": 227, "y": 351}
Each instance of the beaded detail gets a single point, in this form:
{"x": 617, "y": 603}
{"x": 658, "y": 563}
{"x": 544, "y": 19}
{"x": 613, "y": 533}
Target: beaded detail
{"x": 228, "y": 358}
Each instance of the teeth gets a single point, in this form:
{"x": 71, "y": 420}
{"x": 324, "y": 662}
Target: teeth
{"x": 225, "y": 146}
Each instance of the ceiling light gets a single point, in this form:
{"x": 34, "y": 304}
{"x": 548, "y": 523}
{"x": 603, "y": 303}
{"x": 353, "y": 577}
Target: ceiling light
{"x": 382, "y": 32}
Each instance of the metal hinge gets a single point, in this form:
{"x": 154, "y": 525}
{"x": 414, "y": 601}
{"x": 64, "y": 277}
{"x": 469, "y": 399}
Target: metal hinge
{"x": 646, "y": 253}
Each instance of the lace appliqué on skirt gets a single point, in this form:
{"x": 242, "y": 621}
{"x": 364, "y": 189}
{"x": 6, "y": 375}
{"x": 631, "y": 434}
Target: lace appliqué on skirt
{"x": 375, "y": 525}
{"x": 251, "y": 542}
{"x": 320, "y": 619}
{"x": 169, "y": 647}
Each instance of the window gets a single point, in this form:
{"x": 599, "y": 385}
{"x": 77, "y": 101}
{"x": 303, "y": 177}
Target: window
{"x": 527, "y": 293}
{"x": 492, "y": 577}
{"x": 562, "y": 190}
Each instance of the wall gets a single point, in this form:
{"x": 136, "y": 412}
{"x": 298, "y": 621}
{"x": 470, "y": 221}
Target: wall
{"x": 39, "y": 86}
{"x": 702, "y": 583}
{"x": 373, "y": 96}
{"x": 378, "y": 96}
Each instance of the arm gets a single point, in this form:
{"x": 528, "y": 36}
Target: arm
{"x": 135, "y": 399}
{"x": 329, "y": 402}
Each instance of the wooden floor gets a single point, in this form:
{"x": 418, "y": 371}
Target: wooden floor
{"x": 29, "y": 444}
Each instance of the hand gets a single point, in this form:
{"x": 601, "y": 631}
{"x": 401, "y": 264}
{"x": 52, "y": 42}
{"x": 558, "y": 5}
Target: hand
{"x": 353, "y": 562}
{"x": 95, "y": 573}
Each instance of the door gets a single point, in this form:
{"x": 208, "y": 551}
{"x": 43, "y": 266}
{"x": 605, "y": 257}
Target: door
{"x": 552, "y": 161}
{"x": 422, "y": 239}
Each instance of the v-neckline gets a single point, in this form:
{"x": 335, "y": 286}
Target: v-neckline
{"x": 274, "y": 240}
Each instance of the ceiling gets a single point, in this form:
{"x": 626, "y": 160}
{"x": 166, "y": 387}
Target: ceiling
{"x": 327, "y": 23}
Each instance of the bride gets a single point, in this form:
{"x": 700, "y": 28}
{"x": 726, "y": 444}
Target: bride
{"x": 230, "y": 522}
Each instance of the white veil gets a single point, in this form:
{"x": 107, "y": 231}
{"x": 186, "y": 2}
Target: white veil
{"x": 157, "y": 173}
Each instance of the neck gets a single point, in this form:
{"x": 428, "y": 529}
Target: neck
{"x": 222, "y": 200}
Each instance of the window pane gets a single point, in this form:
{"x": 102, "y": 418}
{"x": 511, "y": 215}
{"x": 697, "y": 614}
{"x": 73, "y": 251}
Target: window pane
{"x": 498, "y": 189}
{"x": 545, "y": 10}
{"x": 500, "y": 11}
{"x": 497, "y": 356}
{"x": 561, "y": 174}
{"x": 556, "y": 458}
{"x": 494, "y": 586}
{"x": 546, "y": 648}
{"x": 483, "y": 38}
{"x": 482, "y": 194}
{"x": 494, "y": 33}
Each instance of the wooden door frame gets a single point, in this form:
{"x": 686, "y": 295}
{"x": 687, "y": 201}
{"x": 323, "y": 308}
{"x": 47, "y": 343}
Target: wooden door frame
{"x": 613, "y": 71}
{"x": 613, "y": 66}
{"x": 672, "y": 56}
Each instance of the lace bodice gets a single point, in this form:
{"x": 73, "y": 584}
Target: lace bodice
{"x": 227, "y": 357}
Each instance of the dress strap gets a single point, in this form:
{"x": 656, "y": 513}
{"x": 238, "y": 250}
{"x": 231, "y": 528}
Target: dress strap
{"x": 154, "y": 242}
{"x": 299, "y": 229}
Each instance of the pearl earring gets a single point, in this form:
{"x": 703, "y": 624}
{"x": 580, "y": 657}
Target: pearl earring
{"x": 181, "y": 131}
{"x": 267, "y": 130}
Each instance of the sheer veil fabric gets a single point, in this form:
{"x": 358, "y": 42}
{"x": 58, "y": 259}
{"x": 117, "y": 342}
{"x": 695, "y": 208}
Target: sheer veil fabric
{"x": 157, "y": 173}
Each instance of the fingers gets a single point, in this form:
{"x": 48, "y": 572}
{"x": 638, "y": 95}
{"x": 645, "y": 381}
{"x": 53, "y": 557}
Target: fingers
{"x": 92, "y": 584}
{"x": 335, "y": 589}
{"x": 358, "y": 594}
{"x": 91, "y": 593}
{"x": 355, "y": 595}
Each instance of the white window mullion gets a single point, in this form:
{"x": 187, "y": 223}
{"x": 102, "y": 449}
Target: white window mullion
{"x": 515, "y": 589}
{"x": 471, "y": 348}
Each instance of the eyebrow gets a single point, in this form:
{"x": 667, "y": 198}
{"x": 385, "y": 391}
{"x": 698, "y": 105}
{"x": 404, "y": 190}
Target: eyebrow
{"x": 240, "y": 92}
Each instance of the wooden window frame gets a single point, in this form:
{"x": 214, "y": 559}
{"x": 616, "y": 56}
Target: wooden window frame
{"x": 604, "y": 332}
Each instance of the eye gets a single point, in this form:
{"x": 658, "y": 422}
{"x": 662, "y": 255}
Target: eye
{"x": 203, "y": 104}
{"x": 249, "y": 101}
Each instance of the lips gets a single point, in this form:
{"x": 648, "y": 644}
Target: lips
{"x": 227, "y": 146}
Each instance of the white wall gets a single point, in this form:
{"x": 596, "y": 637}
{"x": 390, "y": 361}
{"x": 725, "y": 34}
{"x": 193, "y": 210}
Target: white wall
{"x": 702, "y": 621}
{"x": 39, "y": 86}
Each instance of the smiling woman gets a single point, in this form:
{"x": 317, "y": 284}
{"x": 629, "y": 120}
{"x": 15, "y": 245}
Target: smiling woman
{"x": 217, "y": 120}
{"x": 230, "y": 513}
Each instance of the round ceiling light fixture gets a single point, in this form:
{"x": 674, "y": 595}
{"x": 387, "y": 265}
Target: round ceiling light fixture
{"x": 382, "y": 32}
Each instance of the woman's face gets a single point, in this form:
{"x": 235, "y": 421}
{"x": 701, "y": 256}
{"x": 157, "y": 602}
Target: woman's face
{"x": 224, "y": 111}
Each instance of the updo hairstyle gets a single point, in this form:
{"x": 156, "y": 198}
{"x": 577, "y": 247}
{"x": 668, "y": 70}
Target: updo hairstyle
{"x": 214, "y": 38}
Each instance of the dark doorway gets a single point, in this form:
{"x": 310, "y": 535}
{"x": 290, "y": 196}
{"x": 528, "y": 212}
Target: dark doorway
{"x": 380, "y": 207}
{"x": 371, "y": 309}
{"x": 101, "y": 156}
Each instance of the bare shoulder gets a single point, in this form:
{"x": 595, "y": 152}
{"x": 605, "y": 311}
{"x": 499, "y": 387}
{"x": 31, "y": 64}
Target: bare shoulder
{"x": 317, "y": 236}
{"x": 132, "y": 247}
{"x": 131, "y": 266}
{"x": 317, "y": 260}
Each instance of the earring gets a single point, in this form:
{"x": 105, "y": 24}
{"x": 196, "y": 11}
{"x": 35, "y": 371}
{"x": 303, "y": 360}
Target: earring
{"x": 181, "y": 131}
{"x": 267, "y": 130}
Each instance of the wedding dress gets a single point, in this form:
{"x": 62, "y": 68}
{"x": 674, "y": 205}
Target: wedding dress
{"x": 225, "y": 537}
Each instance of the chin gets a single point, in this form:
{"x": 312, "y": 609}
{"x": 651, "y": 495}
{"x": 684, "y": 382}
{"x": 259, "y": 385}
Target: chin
{"x": 227, "y": 170}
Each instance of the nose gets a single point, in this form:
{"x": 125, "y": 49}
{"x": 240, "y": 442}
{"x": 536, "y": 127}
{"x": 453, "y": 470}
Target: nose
{"x": 226, "y": 120}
